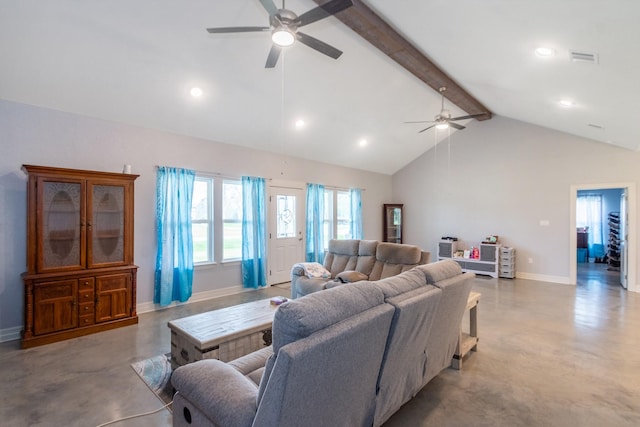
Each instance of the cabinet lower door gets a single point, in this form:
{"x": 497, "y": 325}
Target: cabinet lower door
{"x": 113, "y": 297}
{"x": 55, "y": 306}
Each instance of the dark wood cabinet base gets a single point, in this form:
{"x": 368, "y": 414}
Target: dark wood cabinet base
{"x": 77, "y": 332}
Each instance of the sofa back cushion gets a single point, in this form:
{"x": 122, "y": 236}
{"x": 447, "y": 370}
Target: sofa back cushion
{"x": 445, "y": 331}
{"x": 329, "y": 377}
{"x": 404, "y": 282}
{"x": 405, "y": 356}
{"x": 366, "y": 256}
{"x": 394, "y": 258}
{"x": 342, "y": 255}
{"x": 301, "y": 317}
{"x": 440, "y": 270}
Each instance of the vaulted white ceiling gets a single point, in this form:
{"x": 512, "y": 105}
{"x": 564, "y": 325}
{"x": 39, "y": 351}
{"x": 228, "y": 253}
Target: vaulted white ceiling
{"x": 134, "y": 61}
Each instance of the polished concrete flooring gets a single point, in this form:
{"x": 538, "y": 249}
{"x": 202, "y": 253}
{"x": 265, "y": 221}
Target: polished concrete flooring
{"x": 549, "y": 355}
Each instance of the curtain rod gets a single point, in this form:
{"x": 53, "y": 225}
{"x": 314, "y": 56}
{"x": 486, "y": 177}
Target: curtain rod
{"x": 332, "y": 187}
{"x": 221, "y": 175}
{"x": 207, "y": 173}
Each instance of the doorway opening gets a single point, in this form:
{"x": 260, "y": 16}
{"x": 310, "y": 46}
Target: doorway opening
{"x": 603, "y": 235}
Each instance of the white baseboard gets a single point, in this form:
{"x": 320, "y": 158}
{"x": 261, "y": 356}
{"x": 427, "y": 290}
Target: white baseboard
{"x": 147, "y": 307}
{"x": 10, "y": 334}
{"x": 563, "y": 280}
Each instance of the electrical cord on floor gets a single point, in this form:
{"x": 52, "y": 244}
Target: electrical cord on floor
{"x": 135, "y": 416}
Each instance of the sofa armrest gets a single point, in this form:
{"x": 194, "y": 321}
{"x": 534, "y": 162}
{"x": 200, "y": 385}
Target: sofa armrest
{"x": 218, "y": 390}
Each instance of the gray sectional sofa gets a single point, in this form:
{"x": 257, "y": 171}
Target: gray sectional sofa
{"x": 348, "y": 356}
{"x": 355, "y": 260}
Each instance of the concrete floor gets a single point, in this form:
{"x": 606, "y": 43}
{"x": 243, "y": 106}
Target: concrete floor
{"x": 549, "y": 355}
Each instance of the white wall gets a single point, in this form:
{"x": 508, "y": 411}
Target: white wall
{"x": 503, "y": 177}
{"x": 32, "y": 135}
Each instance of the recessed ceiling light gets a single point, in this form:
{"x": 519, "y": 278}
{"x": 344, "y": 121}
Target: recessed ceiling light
{"x": 300, "y": 124}
{"x": 196, "y": 92}
{"x": 545, "y": 52}
{"x": 363, "y": 142}
{"x": 566, "y": 103}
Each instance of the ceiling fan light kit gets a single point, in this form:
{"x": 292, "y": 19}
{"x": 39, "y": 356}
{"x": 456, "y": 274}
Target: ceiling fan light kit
{"x": 283, "y": 37}
{"x": 284, "y": 24}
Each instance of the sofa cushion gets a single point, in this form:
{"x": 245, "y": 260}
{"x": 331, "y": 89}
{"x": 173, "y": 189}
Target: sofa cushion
{"x": 440, "y": 270}
{"x": 342, "y": 255}
{"x": 394, "y": 253}
{"x": 393, "y": 259}
{"x": 338, "y": 263}
{"x": 351, "y": 276}
{"x": 405, "y": 356}
{"x": 300, "y": 318}
{"x": 344, "y": 246}
{"x": 404, "y": 282}
{"x": 252, "y": 364}
{"x": 231, "y": 400}
{"x": 367, "y": 247}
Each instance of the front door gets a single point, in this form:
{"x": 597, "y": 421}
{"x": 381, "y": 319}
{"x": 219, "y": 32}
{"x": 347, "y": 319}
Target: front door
{"x": 286, "y": 245}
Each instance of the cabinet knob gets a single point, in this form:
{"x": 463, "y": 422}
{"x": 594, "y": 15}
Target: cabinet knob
{"x": 86, "y": 308}
{"x": 86, "y": 283}
{"x": 86, "y": 295}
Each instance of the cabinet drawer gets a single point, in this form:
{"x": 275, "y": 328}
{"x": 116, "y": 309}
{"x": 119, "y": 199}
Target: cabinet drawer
{"x": 85, "y": 296}
{"x": 86, "y": 284}
{"x": 86, "y": 308}
{"x": 87, "y": 320}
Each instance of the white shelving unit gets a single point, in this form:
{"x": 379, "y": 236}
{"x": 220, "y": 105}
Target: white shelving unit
{"x": 488, "y": 263}
{"x": 507, "y": 262}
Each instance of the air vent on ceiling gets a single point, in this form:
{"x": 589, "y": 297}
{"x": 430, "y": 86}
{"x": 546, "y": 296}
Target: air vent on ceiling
{"x": 585, "y": 57}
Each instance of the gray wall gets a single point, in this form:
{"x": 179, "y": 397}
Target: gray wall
{"x": 32, "y": 135}
{"x": 503, "y": 177}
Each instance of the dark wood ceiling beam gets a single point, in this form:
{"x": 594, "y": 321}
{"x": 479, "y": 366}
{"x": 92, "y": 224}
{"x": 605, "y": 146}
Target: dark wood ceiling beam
{"x": 365, "y": 22}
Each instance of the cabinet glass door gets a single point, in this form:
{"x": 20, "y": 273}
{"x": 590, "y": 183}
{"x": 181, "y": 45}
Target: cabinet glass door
{"x": 59, "y": 225}
{"x": 392, "y": 223}
{"x": 106, "y": 225}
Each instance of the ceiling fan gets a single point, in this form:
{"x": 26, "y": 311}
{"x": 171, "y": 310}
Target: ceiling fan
{"x": 443, "y": 120}
{"x": 284, "y": 25}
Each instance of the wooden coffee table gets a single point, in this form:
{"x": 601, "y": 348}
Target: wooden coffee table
{"x": 223, "y": 334}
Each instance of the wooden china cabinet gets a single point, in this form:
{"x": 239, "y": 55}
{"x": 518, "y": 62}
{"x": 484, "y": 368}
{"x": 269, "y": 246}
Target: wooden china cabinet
{"x": 80, "y": 276}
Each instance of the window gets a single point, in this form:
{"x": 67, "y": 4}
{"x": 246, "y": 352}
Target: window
{"x": 216, "y": 222}
{"x": 343, "y": 215}
{"x": 231, "y": 220}
{"x": 589, "y": 216}
{"x": 327, "y": 227}
{"x": 337, "y": 215}
{"x": 286, "y": 221}
{"x": 202, "y": 220}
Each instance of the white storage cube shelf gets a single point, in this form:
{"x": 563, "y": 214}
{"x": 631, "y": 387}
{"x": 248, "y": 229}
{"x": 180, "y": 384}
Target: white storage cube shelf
{"x": 486, "y": 264}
